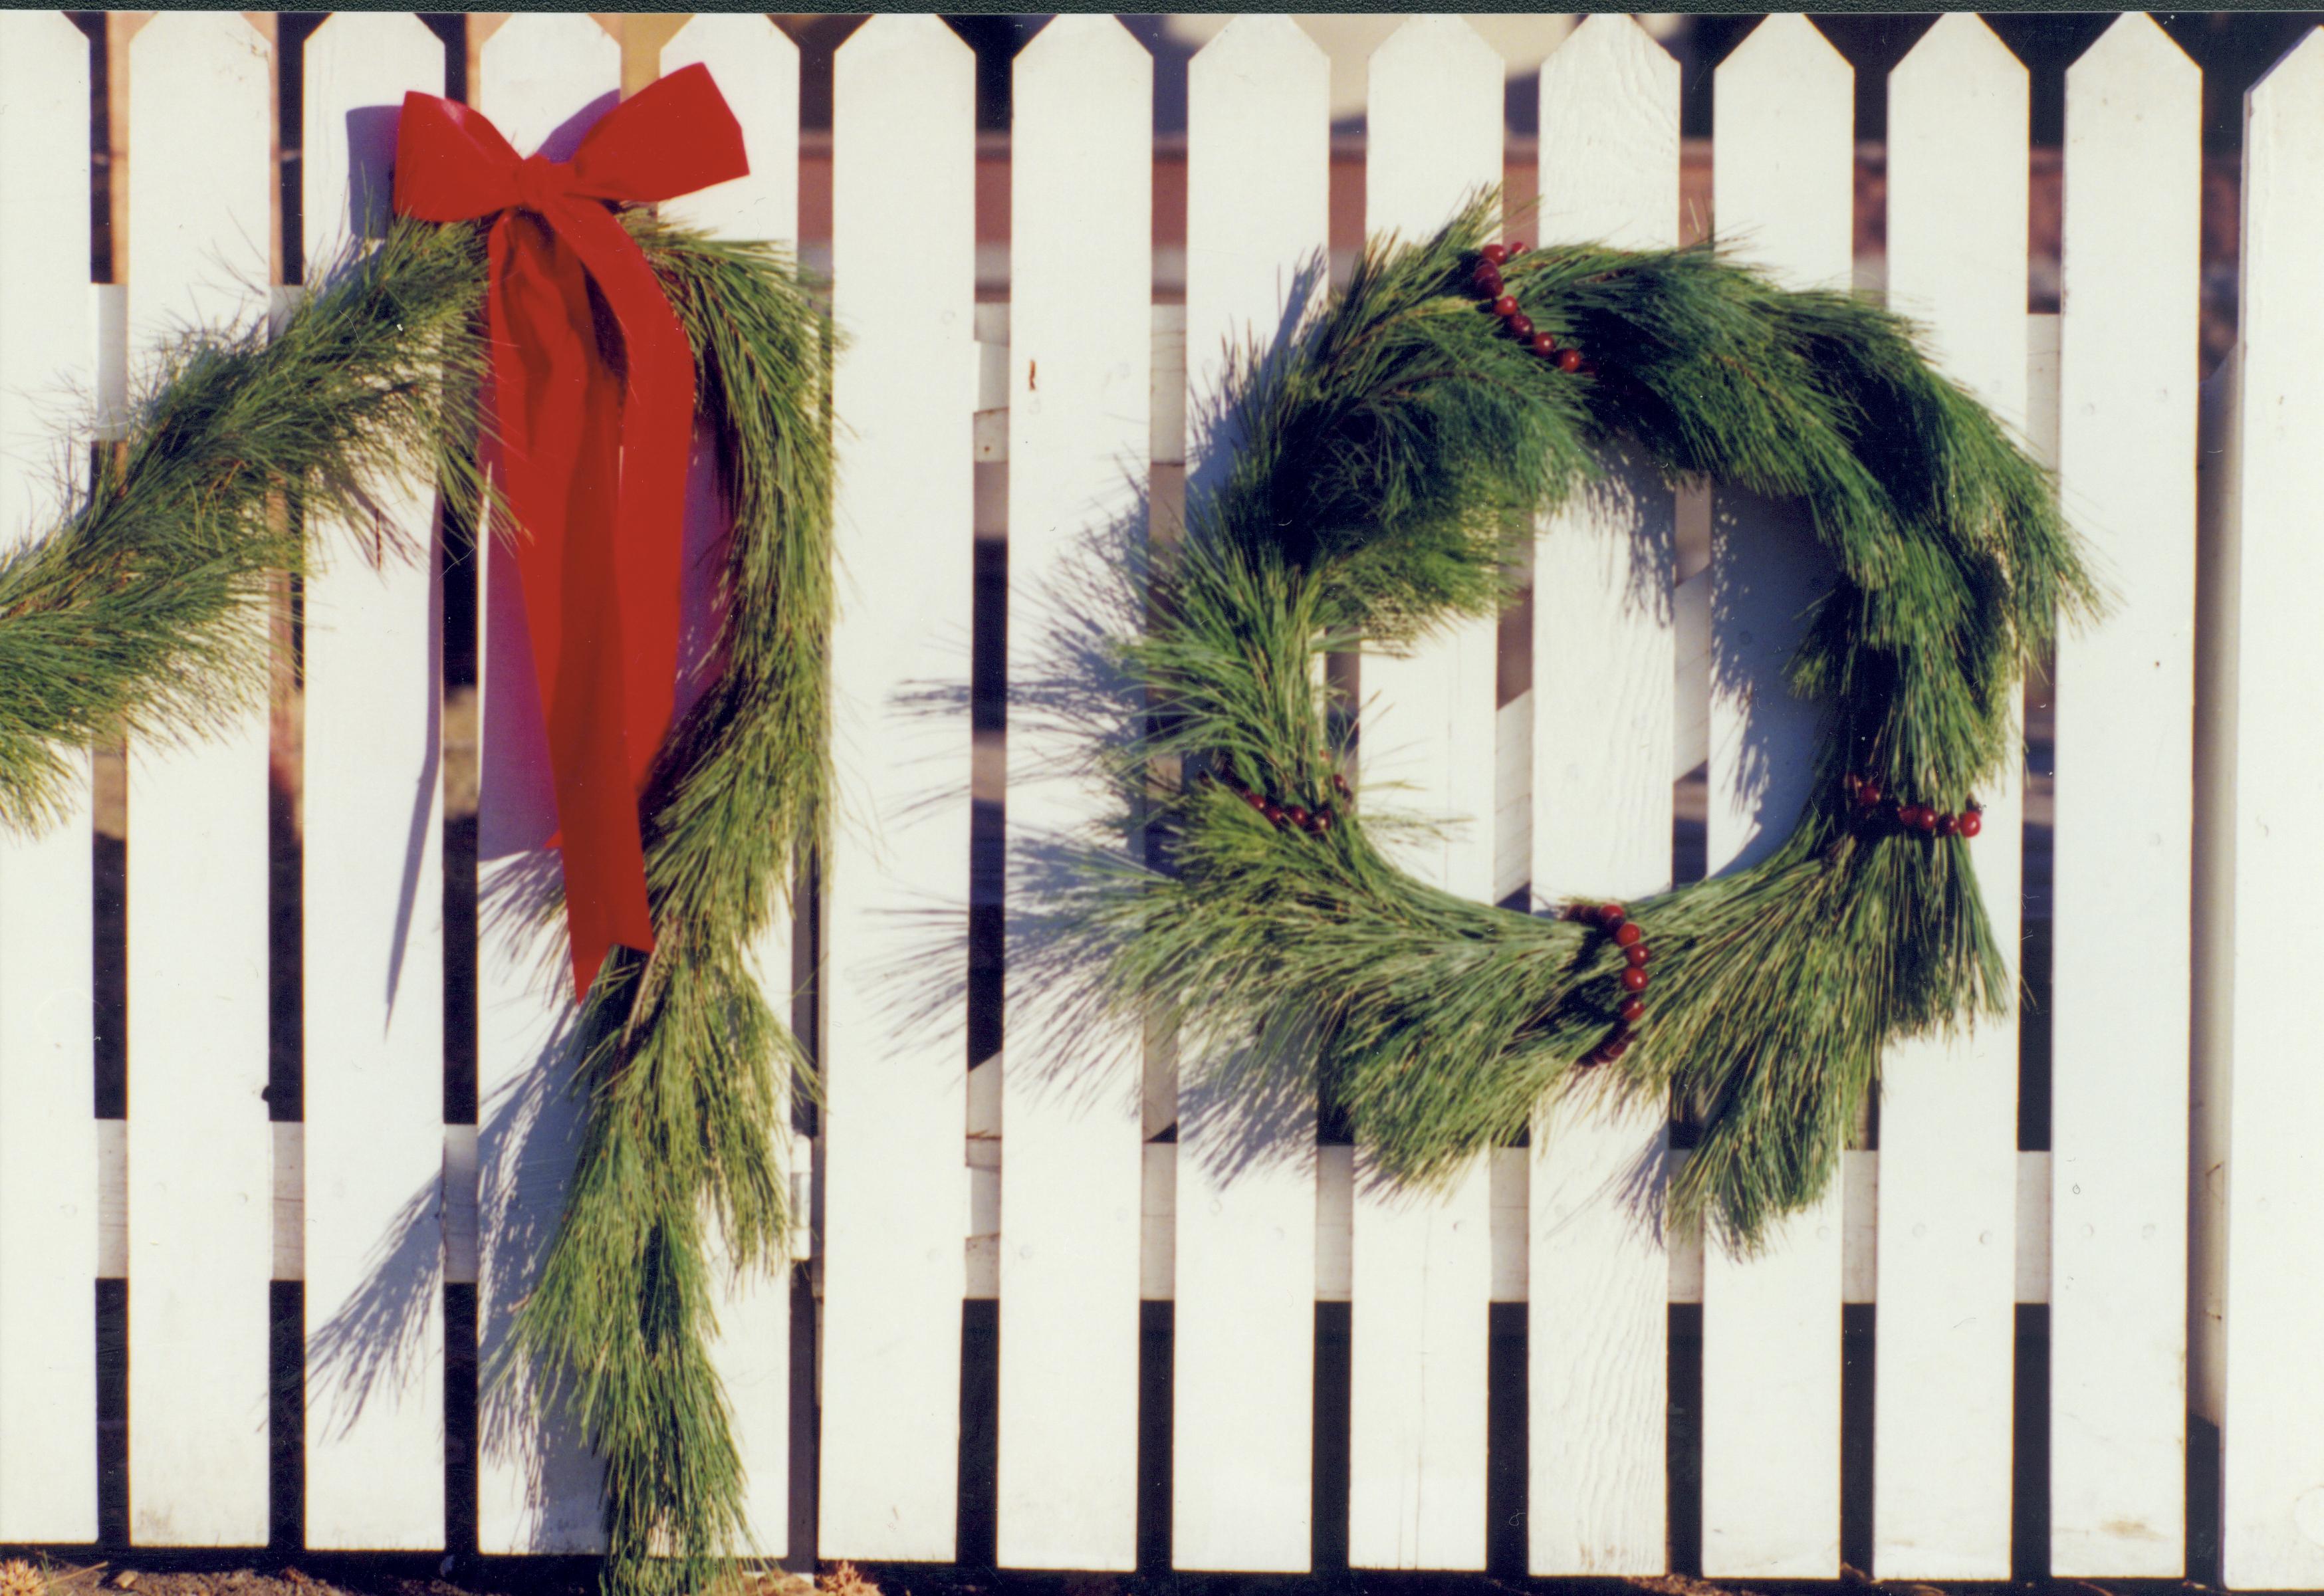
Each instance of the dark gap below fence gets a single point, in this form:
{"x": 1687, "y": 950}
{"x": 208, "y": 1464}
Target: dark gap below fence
{"x": 1683, "y": 1438}
{"x": 1858, "y": 1352}
{"x": 976, "y": 1538}
{"x": 1327, "y": 1520}
{"x": 113, "y": 1412}
{"x": 286, "y": 1428}
{"x": 2029, "y": 1494}
{"x": 460, "y": 1426}
{"x": 1508, "y": 1470}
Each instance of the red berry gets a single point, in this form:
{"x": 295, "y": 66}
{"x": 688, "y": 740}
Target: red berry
{"x": 1487, "y": 278}
{"x": 1297, "y": 815}
{"x": 1634, "y": 980}
{"x": 1636, "y": 957}
{"x": 1545, "y": 346}
{"x": 1521, "y": 325}
{"x": 1972, "y": 823}
{"x": 1517, "y": 247}
{"x": 1625, "y": 935}
{"x": 1321, "y": 822}
{"x": 1495, "y": 254}
{"x": 1273, "y": 811}
{"x": 1611, "y": 915}
{"x": 1569, "y": 360}
{"x": 1916, "y": 817}
{"x": 1868, "y": 793}
{"x": 1254, "y": 800}
{"x": 1339, "y": 785}
{"x": 1505, "y": 306}
{"x": 1947, "y": 824}
{"x": 1633, "y": 1012}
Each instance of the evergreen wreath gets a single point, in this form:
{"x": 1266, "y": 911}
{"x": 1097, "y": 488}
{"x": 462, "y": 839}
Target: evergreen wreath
{"x": 145, "y": 612}
{"x": 1384, "y": 462}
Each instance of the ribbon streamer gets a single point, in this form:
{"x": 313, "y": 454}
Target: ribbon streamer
{"x": 594, "y": 460}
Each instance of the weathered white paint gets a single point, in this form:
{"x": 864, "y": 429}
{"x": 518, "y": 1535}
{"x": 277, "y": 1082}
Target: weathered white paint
{"x": 1243, "y": 1405}
{"x": 47, "y": 1171}
{"x": 2120, "y": 996}
{"x": 896, "y": 1047}
{"x": 544, "y": 80}
{"x": 1080, "y": 401}
{"x": 201, "y": 189}
{"x": 1947, "y": 1331}
{"x": 1782, "y": 193}
{"x": 2272, "y": 1470}
{"x": 1603, "y": 722}
{"x": 757, "y": 68}
{"x": 1422, "y": 1261}
{"x": 374, "y": 901}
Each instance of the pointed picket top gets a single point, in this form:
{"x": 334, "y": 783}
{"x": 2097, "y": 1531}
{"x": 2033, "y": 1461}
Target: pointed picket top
{"x": 1786, "y": 47}
{"x": 546, "y": 77}
{"x": 1435, "y": 124}
{"x": 1252, "y": 47}
{"x": 2135, "y": 49}
{"x": 1608, "y": 105}
{"x": 1783, "y": 122}
{"x": 1958, "y": 108}
{"x": 1092, "y": 35}
{"x": 2297, "y": 76}
{"x": 757, "y": 68}
{"x": 1961, "y": 55}
{"x": 358, "y": 64}
{"x": 899, "y": 35}
{"x": 1434, "y": 43}
{"x": 1611, "y": 49}
{"x": 200, "y": 41}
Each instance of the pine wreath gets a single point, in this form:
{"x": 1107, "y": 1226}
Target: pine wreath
{"x": 1383, "y": 458}
{"x": 144, "y": 612}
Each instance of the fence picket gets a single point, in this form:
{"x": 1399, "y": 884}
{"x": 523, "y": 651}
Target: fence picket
{"x": 1421, "y": 1260}
{"x": 757, "y": 68}
{"x": 201, "y": 190}
{"x": 895, "y": 1184}
{"x": 1259, "y": 120}
{"x": 48, "y": 1180}
{"x": 2268, "y": 857}
{"x": 2118, "y": 1010}
{"x": 1947, "y": 1330}
{"x": 1080, "y": 397}
{"x": 544, "y": 80}
{"x": 1783, "y": 194}
{"x": 373, "y": 1151}
{"x": 1604, "y": 717}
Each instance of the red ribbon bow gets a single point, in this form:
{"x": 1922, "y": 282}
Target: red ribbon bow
{"x": 594, "y": 465}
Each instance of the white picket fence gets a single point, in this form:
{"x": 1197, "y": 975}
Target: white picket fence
{"x": 2183, "y": 878}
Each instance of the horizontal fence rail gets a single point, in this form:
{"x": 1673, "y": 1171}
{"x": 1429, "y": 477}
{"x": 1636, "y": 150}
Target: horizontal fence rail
{"x": 279, "y": 1056}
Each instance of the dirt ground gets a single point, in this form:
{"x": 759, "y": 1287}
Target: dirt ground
{"x": 210, "y": 1575}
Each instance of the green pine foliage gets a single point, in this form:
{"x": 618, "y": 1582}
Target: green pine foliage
{"x": 145, "y": 612}
{"x": 681, "y": 1058}
{"x": 1378, "y": 461}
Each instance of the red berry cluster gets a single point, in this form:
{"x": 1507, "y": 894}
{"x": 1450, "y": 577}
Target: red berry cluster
{"x": 1315, "y": 822}
{"x": 1487, "y": 281}
{"x": 1871, "y": 803}
{"x": 1635, "y": 955}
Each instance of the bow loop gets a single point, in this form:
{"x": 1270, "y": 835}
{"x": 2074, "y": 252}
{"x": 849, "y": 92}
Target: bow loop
{"x": 593, "y": 462}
